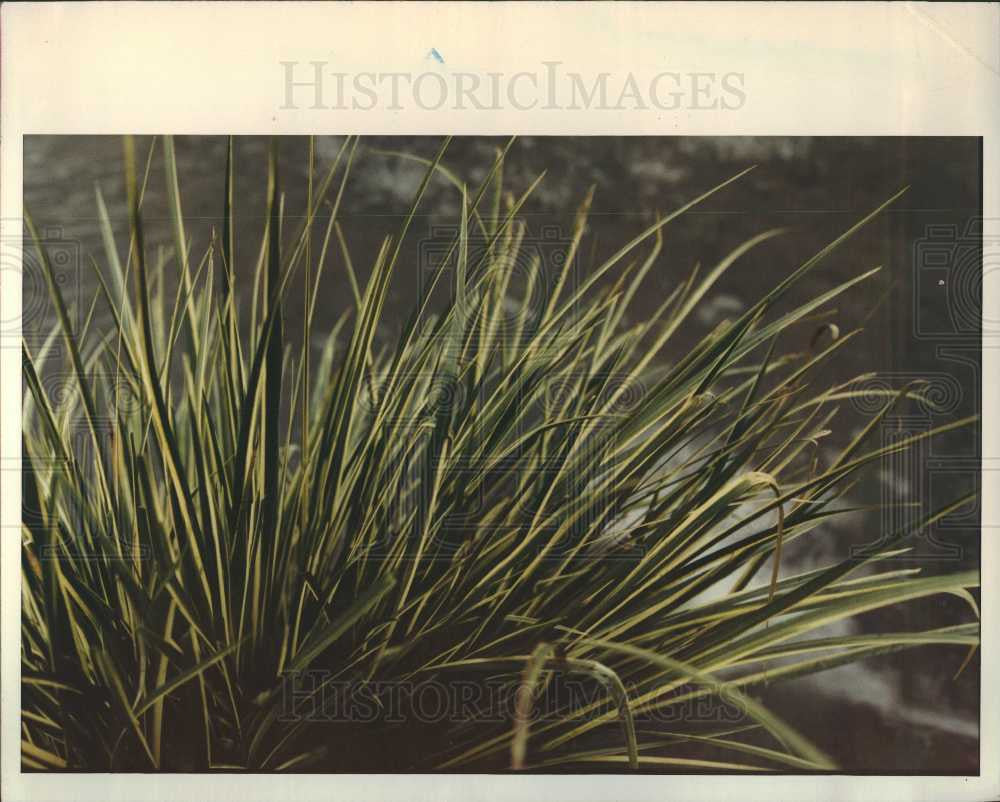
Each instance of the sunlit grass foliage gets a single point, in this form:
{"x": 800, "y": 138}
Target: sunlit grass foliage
{"x": 212, "y": 518}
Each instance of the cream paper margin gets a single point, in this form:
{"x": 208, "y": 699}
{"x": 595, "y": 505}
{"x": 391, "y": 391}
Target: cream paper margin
{"x": 824, "y": 68}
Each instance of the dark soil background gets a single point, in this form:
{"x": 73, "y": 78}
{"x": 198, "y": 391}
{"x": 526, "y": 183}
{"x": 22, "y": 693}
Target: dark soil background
{"x": 920, "y": 314}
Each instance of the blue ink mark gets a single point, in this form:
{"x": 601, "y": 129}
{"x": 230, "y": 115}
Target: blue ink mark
{"x": 432, "y": 53}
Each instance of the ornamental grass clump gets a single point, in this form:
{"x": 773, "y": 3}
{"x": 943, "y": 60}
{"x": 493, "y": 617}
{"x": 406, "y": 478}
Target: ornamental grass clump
{"x": 239, "y": 558}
